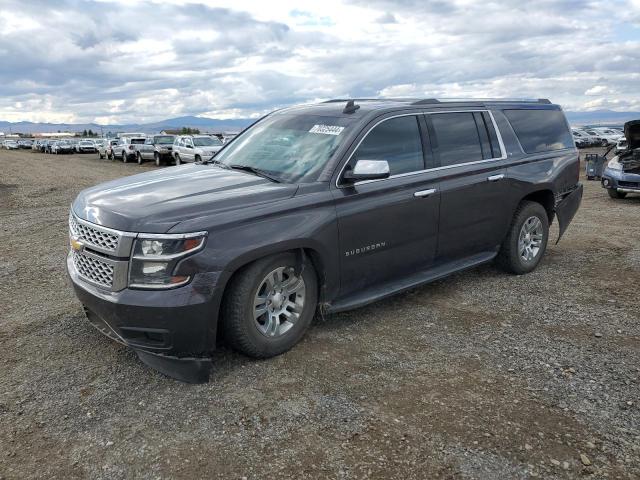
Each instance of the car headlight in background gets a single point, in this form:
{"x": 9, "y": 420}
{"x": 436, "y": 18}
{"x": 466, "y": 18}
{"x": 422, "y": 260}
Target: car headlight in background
{"x": 155, "y": 258}
{"x": 614, "y": 164}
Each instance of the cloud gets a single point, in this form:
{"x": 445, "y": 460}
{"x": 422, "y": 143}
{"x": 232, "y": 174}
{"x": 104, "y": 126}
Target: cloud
{"x": 144, "y": 61}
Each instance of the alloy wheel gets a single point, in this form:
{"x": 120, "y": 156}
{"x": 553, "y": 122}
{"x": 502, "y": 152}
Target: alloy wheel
{"x": 530, "y": 238}
{"x": 279, "y": 302}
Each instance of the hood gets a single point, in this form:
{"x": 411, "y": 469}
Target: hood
{"x": 156, "y": 201}
{"x": 632, "y": 134}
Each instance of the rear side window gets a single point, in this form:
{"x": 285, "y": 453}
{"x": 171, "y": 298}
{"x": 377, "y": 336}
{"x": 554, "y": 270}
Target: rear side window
{"x": 458, "y": 138}
{"x": 540, "y": 130}
{"x": 397, "y": 141}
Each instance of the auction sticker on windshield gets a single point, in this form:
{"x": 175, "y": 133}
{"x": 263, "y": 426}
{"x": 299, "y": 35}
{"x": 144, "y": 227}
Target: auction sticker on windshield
{"x": 327, "y": 129}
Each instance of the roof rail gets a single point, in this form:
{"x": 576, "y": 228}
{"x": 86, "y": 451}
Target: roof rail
{"x": 479, "y": 100}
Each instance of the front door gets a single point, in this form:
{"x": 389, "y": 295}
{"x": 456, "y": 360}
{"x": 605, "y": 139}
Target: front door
{"x": 388, "y": 228}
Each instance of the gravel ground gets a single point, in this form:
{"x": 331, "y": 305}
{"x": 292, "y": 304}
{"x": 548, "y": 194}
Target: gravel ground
{"x": 482, "y": 375}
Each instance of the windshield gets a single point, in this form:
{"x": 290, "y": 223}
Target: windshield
{"x": 138, "y": 141}
{"x": 206, "y": 142}
{"x": 164, "y": 139}
{"x": 291, "y": 147}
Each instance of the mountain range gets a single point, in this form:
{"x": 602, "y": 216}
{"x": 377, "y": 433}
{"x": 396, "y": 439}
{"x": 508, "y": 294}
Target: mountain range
{"x": 202, "y": 123}
{"x": 234, "y": 125}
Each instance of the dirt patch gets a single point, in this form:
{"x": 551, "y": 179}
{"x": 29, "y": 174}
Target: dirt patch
{"x": 478, "y": 376}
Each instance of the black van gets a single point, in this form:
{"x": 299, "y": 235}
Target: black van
{"x": 336, "y": 205}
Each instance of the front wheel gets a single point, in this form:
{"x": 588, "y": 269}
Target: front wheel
{"x": 269, "y": 305}
{"x": 139, "y": 158}
{"x": 526, "y": 241}
{"x": 613, "y": 193}
{"x": 178, "y": 161}
{"x": 156, "y": 157}
{"x": 125, "y": 158}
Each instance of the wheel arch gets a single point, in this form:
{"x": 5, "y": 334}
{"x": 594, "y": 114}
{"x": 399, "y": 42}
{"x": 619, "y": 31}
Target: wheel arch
{"x": 303, "y": 254}
{"x": 544, "y": 197}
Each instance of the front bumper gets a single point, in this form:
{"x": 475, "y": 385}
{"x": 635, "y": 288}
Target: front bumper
{"x": 173, "y": 331}
{"x": 621, "y": 181}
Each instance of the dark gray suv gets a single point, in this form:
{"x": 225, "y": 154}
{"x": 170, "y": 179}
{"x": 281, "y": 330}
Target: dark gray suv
{"x": 328, "y": 206}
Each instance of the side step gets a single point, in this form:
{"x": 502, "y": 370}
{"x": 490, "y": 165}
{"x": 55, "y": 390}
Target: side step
{"x": 378, "y": 292}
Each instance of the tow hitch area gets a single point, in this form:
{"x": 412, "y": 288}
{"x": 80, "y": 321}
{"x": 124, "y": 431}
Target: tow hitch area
{"x": 567, "y": 208}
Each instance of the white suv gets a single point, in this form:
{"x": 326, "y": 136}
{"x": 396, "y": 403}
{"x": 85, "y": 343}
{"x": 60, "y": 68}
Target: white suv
{"x": 195, "y": 148}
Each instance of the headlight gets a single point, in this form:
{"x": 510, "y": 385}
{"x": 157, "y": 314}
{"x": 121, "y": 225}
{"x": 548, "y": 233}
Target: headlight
{"x": 155, "y": 258}
{"x": 614, "y": 164}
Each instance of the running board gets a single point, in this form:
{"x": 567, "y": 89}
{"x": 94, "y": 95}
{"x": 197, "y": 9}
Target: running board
{"x": 378, "y": 292}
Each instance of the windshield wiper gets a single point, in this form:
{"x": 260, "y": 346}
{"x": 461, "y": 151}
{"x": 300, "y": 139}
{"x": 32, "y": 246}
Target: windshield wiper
{"x": 256, "y": 171}
{"x": 215, "y": 162}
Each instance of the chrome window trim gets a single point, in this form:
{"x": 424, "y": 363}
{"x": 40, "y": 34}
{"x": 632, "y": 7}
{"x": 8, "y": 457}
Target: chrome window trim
{"x": 503, "y": 150}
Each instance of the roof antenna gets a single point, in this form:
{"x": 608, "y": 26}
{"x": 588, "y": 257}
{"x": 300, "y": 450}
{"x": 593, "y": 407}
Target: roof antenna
{"x": 350, "y": 107}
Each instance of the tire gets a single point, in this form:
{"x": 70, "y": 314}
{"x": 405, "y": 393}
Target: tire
{"x": 613, "y": 193}
{"x": 178, "y": 161}
{"x": 125, "y": 157}
{"x": 241, "y": 329}
{"x": 589, "y": 177}
{"x": 511, "y": 257}
{"x": 156, "y": 157}
{"x": 139, "y": 158}
{"x": 100, "y": 156}
{"x": 197, "y": 158}
{"x": 604, "y": 143}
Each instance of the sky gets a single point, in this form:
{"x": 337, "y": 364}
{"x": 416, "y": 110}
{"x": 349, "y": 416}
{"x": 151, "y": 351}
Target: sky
{"x": 116, "y": 61}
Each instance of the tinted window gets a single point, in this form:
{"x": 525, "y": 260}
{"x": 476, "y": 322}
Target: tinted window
{"x": 457, "y": 138}
{"x": 540, "y": 130}
{"x": 397, "y": 141}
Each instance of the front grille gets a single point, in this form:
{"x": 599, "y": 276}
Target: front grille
{"x": 622, "y": 183}
{"x": 92, "y": 236}
{"x": 92, "y": 269}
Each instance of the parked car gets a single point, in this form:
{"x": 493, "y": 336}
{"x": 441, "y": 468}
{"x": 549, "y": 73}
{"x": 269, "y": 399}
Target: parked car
{"x": 126, "y": 148}
{"x": 48, "y": 148}
{"x": 105, "y": 149}
{"x": 621, "y": 176}
{"x": 24, "y": 144}
{"x": 10, "y": 145}
{"x": 591, "y": 137}
{"x": 61, "y": 146}
{"x": 580, "y": 140}
{"x": 86, "y": 146}
{"x": 621, "y": 145}
{"x": 610, "y": 136}
{"x": 195, "y": 148}
{"x": 337, "y": 204}
{"x": 157, "y": 148}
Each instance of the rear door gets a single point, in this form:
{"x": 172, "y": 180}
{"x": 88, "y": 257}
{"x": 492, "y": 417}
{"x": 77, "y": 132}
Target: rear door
{"x": 474, "y": 207}
{"x": 388, "y": 228}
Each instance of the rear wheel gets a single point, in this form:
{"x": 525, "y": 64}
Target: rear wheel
{"x": 139, "y": 158}
{"x": 526, "y": 241}
{"x": 613, "y": 193}
{"x": 269, "y": 305}
{"x": 198, "y": 159}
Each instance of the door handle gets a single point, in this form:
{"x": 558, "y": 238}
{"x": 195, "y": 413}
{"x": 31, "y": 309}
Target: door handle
{"x": 424, "y": 193}
{"x": 495, "y": 178}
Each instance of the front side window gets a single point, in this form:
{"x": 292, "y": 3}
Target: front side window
{"x": 397, "y": 141}
{"x": 291, "y": 147}
{"x": 457, "y": 138}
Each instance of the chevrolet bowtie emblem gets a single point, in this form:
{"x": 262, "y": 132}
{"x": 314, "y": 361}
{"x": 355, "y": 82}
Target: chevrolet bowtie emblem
{"x": 76, "y": 244}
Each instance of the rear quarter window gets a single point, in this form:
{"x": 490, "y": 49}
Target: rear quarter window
{"x": 540, "y": 130}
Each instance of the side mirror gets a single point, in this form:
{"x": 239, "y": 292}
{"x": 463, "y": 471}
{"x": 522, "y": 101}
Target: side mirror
{"x": 367, "y": 170}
